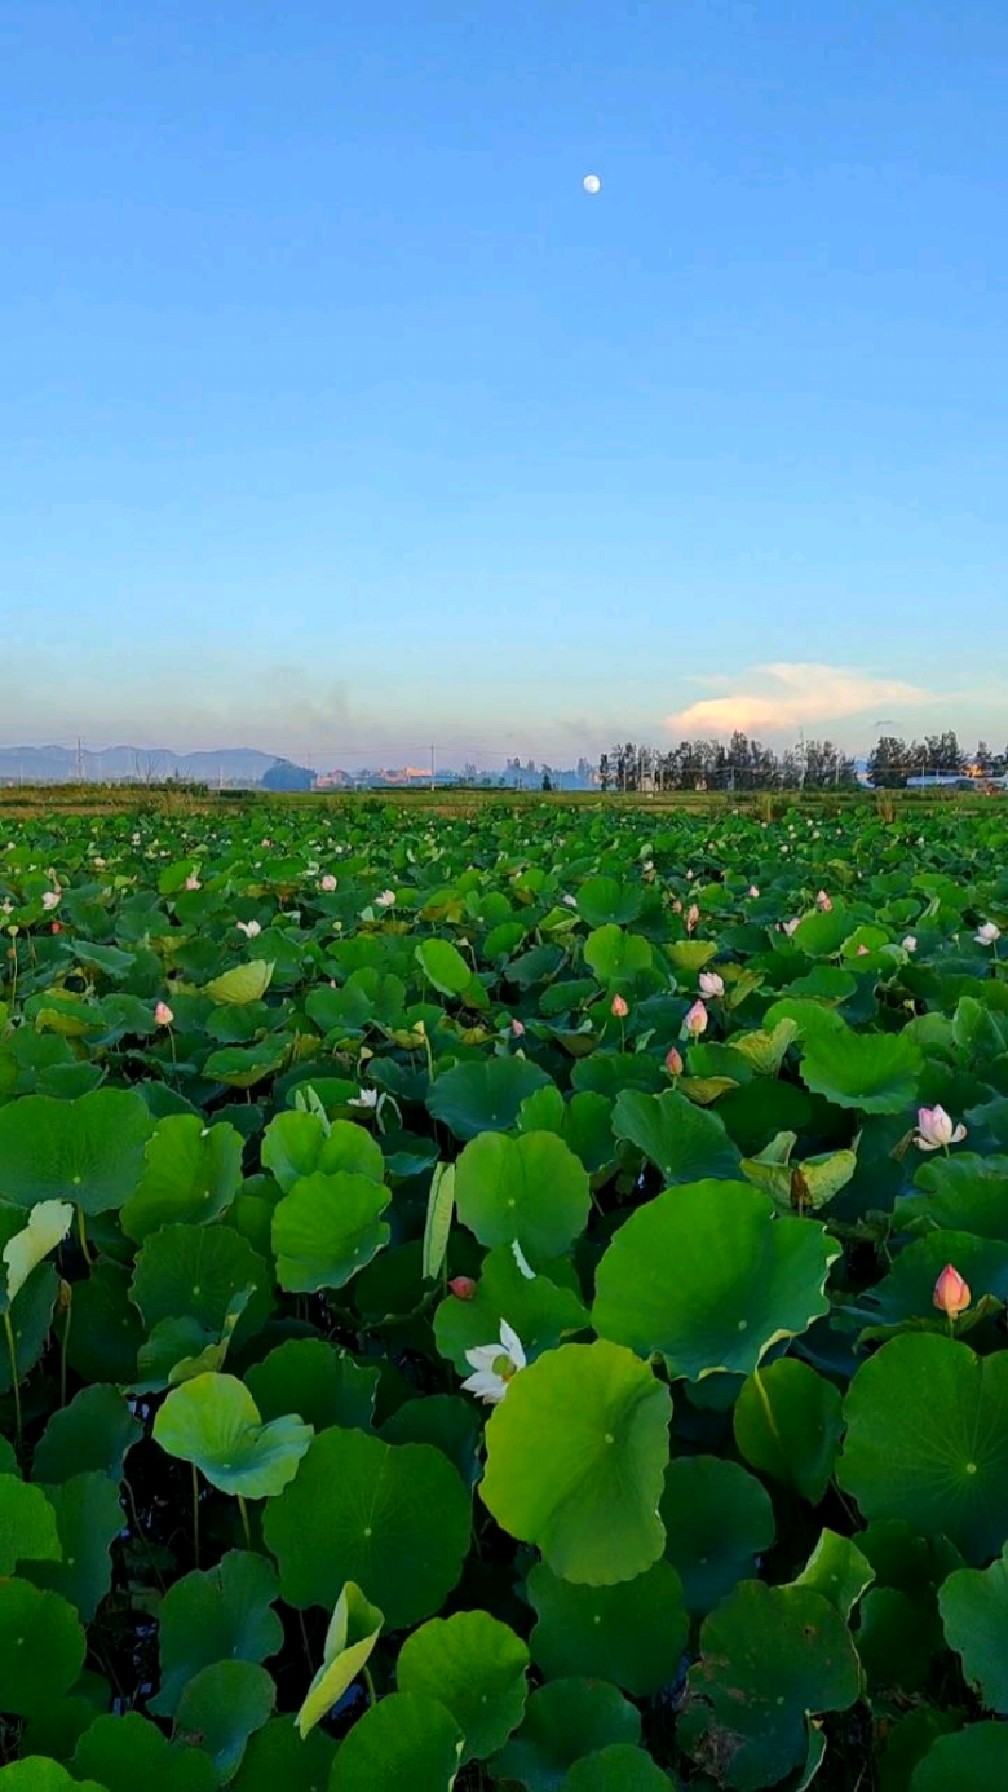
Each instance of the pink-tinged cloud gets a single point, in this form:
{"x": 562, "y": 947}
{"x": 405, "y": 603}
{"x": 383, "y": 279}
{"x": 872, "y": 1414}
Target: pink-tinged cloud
{"x": 789, "y": 695}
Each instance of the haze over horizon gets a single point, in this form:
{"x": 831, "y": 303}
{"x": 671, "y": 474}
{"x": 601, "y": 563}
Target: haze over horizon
{"x": 338, "y": 419}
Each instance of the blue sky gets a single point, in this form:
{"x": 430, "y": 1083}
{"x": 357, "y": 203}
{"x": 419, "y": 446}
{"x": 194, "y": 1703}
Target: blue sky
{"x": 336, "y": 418}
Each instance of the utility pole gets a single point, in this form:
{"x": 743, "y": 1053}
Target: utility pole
{"x": 432, "y": 773}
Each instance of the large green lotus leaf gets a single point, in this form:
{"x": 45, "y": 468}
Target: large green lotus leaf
{"x": 540, "y": 1311}
{"x": 48, "y": 1224}
{"x": 444, "y": 966}
{"x": 93, "y": 1432}
{"x": 296, "y": 1144}
{"x": 619, "y": 1768}
{"x": 906, "y": 1292}
{"x": 89, "y": 1518}
{"x": 476, "y": 1667}
{"x": 576, "y": 1456}
{"x": 403, "y": 1741}
{"x": 974, "y": 1611}
{"x": 838, "y": 1570}
{"x": 193, "y": 1172}
{"x": 602, "y": 901}
{"x": 353, "y": 1632}
{"x": 927, "y": 1441}
{"x": 876, "y": 1072}
{"x": 224, "y": 1614}
{"x": 801, "y": 1187}
{"x": 565, "y": 1720}
{"x": 451, "y": 1422}
{"x": 245, "y": 983}
{"x": 27, "y": 1525}
{"x": 327, "y": 1228}
{"x": 718, "y": 1521}
{"x": 197, "y": 1272}
{"x": 36, "y": 1773}
{"x": 214, "y": 1422}
{"x": 710, "y": 1278}
{"x": 483, "y": 1097}
{"x": 617, "y": 957}
{"x": 683, "y": 1140}
{"x": 820, "y": 935}
{"x": 633, "y": 1634}
{"x": 31, "y": 1317}
{"x": 126, "y": 1752}
{"x": 241, "y": 1068}
{"x": 531, "y": 1188}
{"x": 965, "y": 1193}
{"x": 769, "y": 1656}
{"x": 972, "y": 1760}
{"x": 324, "y": 1384}
{"x": 277, "y": 1756}
{"x": 363, "y": 1510}
{"x": 898, "y": 1639}
{"x": 220, "y": 1709}
{"x": 105, "y": 1329}
{"x": 584, "y": 1123}
{"x": 42, "y": 1647}
{"x": 788, "y": 1424}
{"x": 89, "y": 1152}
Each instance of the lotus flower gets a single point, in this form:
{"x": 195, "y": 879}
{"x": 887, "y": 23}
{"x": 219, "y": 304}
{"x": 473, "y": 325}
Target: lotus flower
{"x": 673, "y": 1061}
{"x": 711, "y": 984}
{"x": 163, "y": 1015}
{"x": 754, "y": 891}
{"x": 951, "y": 1294}
{"x": 517, "y": 1028}
{"x": 249, "y": 928}
{"x": 328, "y": 883}
{"x": 987, "y": 935}
{"x": 50, "y": 898}
{"x": 696, "y": 1020}
{"x": 910, "y": 942}
{"x": 368, "y": 1098}
{"x": 463, "y": 1287}
{"x": 935, "y": 1131}
{"x": 495, "y": 1365}
{"x": 862, "y": 951}
{"x": 823, "y": 902}
{"x": 620, "y": 1007}
{"x": 792, "y": 926}
{"x": 569, "y": 901}
{"x": 385, "y": 900}
{"x": 692, "y": 917}
{"x": 192, "y": 882}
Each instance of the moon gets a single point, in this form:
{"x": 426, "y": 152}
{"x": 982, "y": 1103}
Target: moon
{"x": 592, "y": 183}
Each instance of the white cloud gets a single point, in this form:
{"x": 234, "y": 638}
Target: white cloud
{"x": 789, "y": 695}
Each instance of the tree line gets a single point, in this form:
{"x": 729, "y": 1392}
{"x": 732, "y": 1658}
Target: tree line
{"x": 744, "y": 764}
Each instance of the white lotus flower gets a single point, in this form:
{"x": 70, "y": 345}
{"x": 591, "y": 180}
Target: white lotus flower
{"x": 711, "y": 984}
{"x": 385, "y": 900}
{"x": 368, "y": 1098}
{"x": 569, "y": 901}
{"x": 790, "y": 927}
{"x": 495, "y": 1365}
{"x": 249, "y": 928}
{"x": 935, "y": 1130}
{"x": 987, "y": 935}
{"x": 910, "y": 943}
{"x": 50, "y": 898}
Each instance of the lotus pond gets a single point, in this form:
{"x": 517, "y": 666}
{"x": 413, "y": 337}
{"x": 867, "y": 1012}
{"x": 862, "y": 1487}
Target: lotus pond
{"x": 515, "y": 1301}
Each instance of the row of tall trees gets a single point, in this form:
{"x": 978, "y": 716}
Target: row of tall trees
{"x": 739, "y": 764}
{"x": 894, "y": 760}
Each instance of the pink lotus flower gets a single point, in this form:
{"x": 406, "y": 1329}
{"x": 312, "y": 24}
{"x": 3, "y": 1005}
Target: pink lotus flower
{"x": 163, "y": 1015}
{"x": 696, "y": 1020}
{"x": 50, "y": 898}
{"x": 517, "y": 1028}
{"x": 823, "y": 902}
{"x": 328, "y": 883}
{"x": 935, "y": 1130}
{"x": 192, "y": 882}
{"x": 711, "y": 984}
{"x": 385, "y": 900}
{"x": 676, "y": 906}
{"x": 673, "y": 1061}
{"x": 692, "y": 917}
{"x": 266, "y": 841}
{"x": 862, "y": 951}
{"x": 754, "y": 891}
{"x": 790, "y": 927}
{"x": 987, "y": 935}
{"x": 951, "y": 1293}
{"x": 620, "y": 1007}
{"x": 251, "y": 929}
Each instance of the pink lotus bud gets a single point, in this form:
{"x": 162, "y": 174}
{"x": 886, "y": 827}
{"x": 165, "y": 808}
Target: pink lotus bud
{"x": 57, "y": 927}
{"x": 192, "y": 882}
{"x": 951, "y": 1294}
{"x": 711, "y": 984}
{"x": 463, "y": 1287}
{"x": 692, "y": 917}
{"x": 163, "y": 1015}
{"x": 677, "y": 907}
{"x": 328, "y": 883}
{"x": 620, "y": 1007}
{"x": 673, "y": 1061}
{"x": 754, "y": 891}
{"x": 823, "y": 902}
{"x": 266, "y": 841}
{"x": 790, "y": 927}
{"x": 862, "y": 951}
{"x": 517, "y": 1029}
{"x": 696, "y": 1020}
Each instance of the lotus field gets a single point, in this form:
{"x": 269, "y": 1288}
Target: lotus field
{"x": 512, "y": 1300}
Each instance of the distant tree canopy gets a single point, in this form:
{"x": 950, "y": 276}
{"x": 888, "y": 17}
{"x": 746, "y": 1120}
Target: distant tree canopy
{"x": 893, "y": 760}
{"x": 286, "y": 776}
{"x": 741, "y": 764}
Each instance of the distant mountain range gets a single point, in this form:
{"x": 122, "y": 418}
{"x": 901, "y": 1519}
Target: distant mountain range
{"x": 62, "y": 765}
